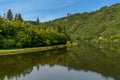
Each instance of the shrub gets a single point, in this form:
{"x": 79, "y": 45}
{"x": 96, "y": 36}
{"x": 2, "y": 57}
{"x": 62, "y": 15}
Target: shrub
{"x": 10, "y": 43}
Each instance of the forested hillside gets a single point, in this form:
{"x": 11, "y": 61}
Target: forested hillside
{"x": 17, "y": 33}
{"x": 100, "y": 26}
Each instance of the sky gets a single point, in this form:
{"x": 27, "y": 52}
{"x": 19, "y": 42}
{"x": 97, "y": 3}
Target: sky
{"x": 51, "y": 9}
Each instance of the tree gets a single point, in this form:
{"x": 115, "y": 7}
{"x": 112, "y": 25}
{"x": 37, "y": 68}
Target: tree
{"x": 10, "y": 43}
{"x": 38, "y": 20}
{"x": 18, "y": 17}
{"x": 68, "y": 14}
{"x": 9, "y": 15}
{"x": 4, "y": 16}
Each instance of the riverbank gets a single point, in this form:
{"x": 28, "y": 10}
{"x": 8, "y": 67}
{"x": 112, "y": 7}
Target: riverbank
{"x": 28, "y": 50}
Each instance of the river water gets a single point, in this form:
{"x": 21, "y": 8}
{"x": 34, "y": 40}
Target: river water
{"x": 83, "y": 62}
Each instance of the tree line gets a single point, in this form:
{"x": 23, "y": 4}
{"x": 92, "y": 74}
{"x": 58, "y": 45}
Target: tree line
{"x": 17, "y": 33}
{"x": 18, "y": 17}
{"x": 100, "y": 26}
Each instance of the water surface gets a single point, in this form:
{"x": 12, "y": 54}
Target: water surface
{"x": 84, "y": 62}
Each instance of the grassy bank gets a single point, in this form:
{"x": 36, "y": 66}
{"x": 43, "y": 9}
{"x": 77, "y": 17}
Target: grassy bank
{"x": 27, "y": 50}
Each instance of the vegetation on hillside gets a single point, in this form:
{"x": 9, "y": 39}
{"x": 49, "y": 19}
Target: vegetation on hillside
{"x": 100, "y": 26}
{"x": 17, "y": 33}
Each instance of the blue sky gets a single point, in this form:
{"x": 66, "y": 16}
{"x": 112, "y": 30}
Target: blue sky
{"x": 51, "y": 9}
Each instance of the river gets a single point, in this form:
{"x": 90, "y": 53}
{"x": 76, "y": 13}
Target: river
{"x": 83, "y": 62}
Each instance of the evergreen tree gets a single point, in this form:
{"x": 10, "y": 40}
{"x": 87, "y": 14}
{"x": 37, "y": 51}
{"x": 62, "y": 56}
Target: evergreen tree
{"x": 9, "y": 15}
{"x": 38, "y": 20}
{"x": 68, "y": 14}
{"x": 4, "y": 16}
{"x": 18, "y": 17}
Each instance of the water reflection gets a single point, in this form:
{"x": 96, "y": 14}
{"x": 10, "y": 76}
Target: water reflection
{"x": 85, "y": 62}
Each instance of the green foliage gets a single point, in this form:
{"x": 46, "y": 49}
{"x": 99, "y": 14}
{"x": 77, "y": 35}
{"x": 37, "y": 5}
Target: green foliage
{"x": 18, "y": 34}
{"x": 101, "y": 26}
{"x": 18, "y": 17}
{"x": 90, "y": 27}
{"x": 10, "y": 43}
{"x": 38, "y": 20}
{"x": 115, "y": 38}
{"x": 9, "y": 15}
{"x": 1, "y": 41}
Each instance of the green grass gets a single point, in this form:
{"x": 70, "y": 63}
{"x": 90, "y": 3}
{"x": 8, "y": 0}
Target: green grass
{"x": 27, "y": 50}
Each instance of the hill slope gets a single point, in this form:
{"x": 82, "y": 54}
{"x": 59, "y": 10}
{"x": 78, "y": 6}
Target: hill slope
{"x": 99, "y": 26}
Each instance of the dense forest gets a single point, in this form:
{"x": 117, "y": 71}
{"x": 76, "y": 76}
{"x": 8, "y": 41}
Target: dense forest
{"x": 100, "y": 26}
{"x": 17, "y": 33}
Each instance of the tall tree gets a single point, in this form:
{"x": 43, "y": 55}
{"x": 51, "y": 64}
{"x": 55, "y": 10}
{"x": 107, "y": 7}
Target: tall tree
{"x": 68, "y": 14}
{"x": 18, "y": 17}
{"x": 38, "y": 20}
{"x": 4, "y": 16}
{"x": 9, "y": 15}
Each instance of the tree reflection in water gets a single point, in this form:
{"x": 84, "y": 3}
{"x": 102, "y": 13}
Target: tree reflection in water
{"x": 99, "y": 59}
